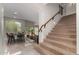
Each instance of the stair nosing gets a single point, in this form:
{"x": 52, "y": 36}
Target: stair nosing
{"x": 44, "y": 52}
{"x": 61, "y": 38}
{"x": 51, "y": 42}
{"x": 59, "y": 42}
{"x": 65, "y": 52}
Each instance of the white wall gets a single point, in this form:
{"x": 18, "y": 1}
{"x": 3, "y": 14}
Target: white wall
{"x": 1, "y": 30}
{"x": 77, "y": 28}
{"x": 45, "y": 13}
{"x": 70, "y": 9}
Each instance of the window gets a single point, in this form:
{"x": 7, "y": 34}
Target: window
{"x": 12, "y": 26}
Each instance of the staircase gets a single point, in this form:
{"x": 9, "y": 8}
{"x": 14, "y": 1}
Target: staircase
{"x": 61, "y": 40}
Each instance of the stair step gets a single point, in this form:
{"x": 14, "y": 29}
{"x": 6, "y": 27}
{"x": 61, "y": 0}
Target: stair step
{"x": 66, "y": 25}
{"x": 59, "y": 51}
{"x": 73, "y": 42}
{"x": 51, "y": 33}
{"x": 51, "y": 50}
{"x": 62, "y": 38}
{"x": 43, "y": 51}
{"x": 65, "y": 36}
{"x": 64, "y": 32}
{"x": 68, "y": 20}
{"x": 61, "y": 45}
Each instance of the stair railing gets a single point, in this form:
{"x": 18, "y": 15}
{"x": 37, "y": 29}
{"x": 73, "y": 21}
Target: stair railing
{"x": 59, "y": 12}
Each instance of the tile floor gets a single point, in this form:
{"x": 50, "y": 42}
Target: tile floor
{"x": 21, "y": 49}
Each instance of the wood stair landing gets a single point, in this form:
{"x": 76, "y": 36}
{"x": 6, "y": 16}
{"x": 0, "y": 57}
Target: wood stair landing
{"x": 61, "y": 40}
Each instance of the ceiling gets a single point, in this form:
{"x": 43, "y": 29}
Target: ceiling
{"x": 26, "y": 11}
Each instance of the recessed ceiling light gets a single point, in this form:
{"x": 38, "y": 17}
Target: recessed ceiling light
{"x": 15, "y": 13}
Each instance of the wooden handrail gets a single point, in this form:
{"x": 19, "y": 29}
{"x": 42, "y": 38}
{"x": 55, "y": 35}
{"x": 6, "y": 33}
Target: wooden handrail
{"x": 48, "y": 21}
{"x": 60, "y": 11}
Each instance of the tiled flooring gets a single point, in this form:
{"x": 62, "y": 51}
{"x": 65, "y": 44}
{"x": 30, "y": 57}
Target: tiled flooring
{"x": 21, "y": 49}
